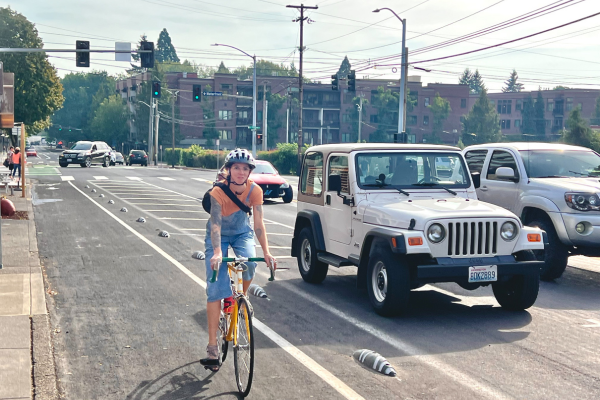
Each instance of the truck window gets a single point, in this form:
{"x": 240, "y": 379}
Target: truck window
{"x": 476, "y": 159}
{"x": 312, "y": 174}
{"x": 501, "y": 159}
{"x": 338, "y": 165}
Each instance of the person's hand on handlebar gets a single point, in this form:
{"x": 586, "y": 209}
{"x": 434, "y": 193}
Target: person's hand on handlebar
{"x": 270, "y": 261}
{"x": 216, "y": 260}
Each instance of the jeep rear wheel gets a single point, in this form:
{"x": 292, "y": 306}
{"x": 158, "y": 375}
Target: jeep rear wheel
{"x": 388, "y": 283}
{"x": 555, "y": 255}
{"x": 311, "y": 269}
{"x": 519, "y": 292}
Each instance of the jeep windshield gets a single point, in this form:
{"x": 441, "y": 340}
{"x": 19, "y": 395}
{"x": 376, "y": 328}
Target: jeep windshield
{"x": 561, "y": 163}
{"x": 411, "y": 170}
{"x": 82, "y": 146}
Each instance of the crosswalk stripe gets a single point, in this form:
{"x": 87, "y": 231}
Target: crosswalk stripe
{"x": 166, "y": 178}
{"x": 134, "y": 178}
{"x": 67, "y": 178}
{"x": 100, "y": 178}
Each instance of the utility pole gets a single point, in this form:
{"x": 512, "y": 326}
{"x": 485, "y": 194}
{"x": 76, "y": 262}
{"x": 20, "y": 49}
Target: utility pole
{"x": 173, "y": 127}
{"x": 264, "y": 144}
{"x": 360, "y": 106}
{"x": 301, "y": 19}
{"x": 156, "y": 123}
{"x": 150, "y": 124}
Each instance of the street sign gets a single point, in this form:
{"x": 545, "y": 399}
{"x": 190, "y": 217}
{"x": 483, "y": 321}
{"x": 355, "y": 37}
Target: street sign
{"x": 123, "y": 46}
{"x": 16, "y": 130}
{"x": 253, "y": 127}
{"x": 217, "y": 142}
{"x": 212, "y": 93}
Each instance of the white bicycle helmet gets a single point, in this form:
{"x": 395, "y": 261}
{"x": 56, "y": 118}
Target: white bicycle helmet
{"x": 240, "y": 156}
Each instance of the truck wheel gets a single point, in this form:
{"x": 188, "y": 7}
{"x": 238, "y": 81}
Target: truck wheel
{"x": 388, "y": 283}
{"x": 311, "y": 269}
{"x": 555, "y": 255}
{"x": 288, "y": 195}
{"x": 519, "y": 292}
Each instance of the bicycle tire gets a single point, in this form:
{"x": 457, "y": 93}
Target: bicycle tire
{"x": 244, "y": 346}
{"x": 222, "y": 338}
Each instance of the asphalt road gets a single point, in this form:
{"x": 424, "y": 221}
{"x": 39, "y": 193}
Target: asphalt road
{"x": 128, "y": 308}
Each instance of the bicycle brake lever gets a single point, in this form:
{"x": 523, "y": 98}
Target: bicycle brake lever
{"x": 214, "y": 276}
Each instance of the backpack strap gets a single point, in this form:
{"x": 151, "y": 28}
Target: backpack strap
{"x": 225, "y": 188}
{"x": 250, "y": 192}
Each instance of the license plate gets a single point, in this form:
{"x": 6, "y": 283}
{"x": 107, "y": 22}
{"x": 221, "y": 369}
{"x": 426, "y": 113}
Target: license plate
{"x": 69, "y": 159}
{"x": 487, "y": 273}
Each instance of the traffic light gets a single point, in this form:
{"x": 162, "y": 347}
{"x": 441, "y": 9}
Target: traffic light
{"x": 400, "y": 137}
{"x": 147, "y": 59}
{"x": 82, "y": 59}
{"x": 259, "y": 137}
{"x": 196, "y": 93}
{"x": 334, "y": 82}
{"x": 352, "y": 81}
{"x": 156, "y": 90}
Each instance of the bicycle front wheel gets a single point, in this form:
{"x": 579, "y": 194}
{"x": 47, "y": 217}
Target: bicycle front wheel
{"x": 243, "y": 350}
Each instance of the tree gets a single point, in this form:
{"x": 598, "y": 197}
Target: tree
{"x": 596, "y": 115}
{"x": 274, "y": 119}
{"x": 465, "y": 78}
{"x": 540, "y": 122}
{"x": 579, "y": 133}
{"x": 165, "y": 51}
{"x": 528, "y": 114}
{"x": 345, "y": 68}
{"x": 512, "y": 86}
{"x": 386, "y": 103}
{"x": 110, "y": 121}
{"x": 352, "y": 113}
{"x": 223, "y": 69}
{"x": 560, "y": 87}
{"x": 265, "y": 68}
{"x": 440, "y": 108}
{"x": 37, "y": 87}
{"x": 476, "y": 84}
{"x": 143, "y": 38}
{"x": 481, "y": 125}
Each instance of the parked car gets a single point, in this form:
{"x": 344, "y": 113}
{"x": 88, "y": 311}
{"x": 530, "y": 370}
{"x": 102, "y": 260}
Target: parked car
{"x": 117, "y": 158}
{"x": 273, "y": 185}
{"x": 138, "y": 157}
{"x": 388, "y": 210}
{"x": 31, "y": 152}
{"x": 550, "y": 186}
{"x": 86, "y": 153}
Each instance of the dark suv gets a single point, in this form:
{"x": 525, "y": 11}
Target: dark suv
{"x": 86, "y": 153}
{"x": 138, "y": 157}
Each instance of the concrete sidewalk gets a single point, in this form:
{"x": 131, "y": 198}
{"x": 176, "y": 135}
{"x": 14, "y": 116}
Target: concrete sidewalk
{"x": 24, "y": 322}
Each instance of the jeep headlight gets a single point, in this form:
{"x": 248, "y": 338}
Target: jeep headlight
{"x": 285, "y": 185}
{"x": 583, "y": 201}
{"x": 508, "y": 231}
{"x": 436, "y": 233}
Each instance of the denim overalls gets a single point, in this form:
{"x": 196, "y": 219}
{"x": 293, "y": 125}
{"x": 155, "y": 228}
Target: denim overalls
{"x": 237, "y": 233}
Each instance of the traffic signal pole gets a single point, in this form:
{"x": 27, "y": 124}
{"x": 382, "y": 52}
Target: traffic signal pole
{"x": 156, "y": 124}
{"x": 151, "y": 112}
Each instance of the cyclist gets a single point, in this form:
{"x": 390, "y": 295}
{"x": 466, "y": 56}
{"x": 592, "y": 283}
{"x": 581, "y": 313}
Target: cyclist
{"x": 230, "y": 226}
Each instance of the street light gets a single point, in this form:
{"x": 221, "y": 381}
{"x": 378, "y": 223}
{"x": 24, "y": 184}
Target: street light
{"x": 253, "y": 95}
{"x": 402, "y": 99}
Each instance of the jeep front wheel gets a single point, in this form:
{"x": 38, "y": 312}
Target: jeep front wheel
{"x": 311, "y": 269}
{"x": 519, "y": 292}
{"x": 388, "y": 283}
{"x": 555, "y": 255}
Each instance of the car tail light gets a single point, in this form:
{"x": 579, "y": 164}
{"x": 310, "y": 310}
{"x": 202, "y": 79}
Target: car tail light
{"x": 145, "y": 156}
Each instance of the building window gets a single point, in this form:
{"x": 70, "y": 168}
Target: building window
{"x": 519, "y": 105}
{"x": 411, "y": 138}
{"x": 374, "y": 119}
{"x": 463, "y": 103}
{"x": 580, "y": 106}
{"x": 225, "y": 135}
{"x": 548, "y": 123}
{"x": 569, "y": 103}
{"x": 225, "y": 114}
{"x": 426, "y": 101}
{"x": 517, "y": 123}
{"x": 550, "y": 104}
{"x": 504, "y": 106}
{"x": 346, "y": 118}
{"x": 243, "y": 114}
{"x": 493, "y": 103}
{"x": 345, "y": 137}
{"x": 348, "y": 97}
{"x": 411, "y": 120}
{"x": 227, "y": 88}
{"x": 258, "y": 116}
{"x": 505, "y": 124}
{"x": 414, "y": 98}
{"x": 425, "y": 119}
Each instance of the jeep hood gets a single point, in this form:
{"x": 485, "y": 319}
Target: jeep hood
{"x": 398, "y": 214}
{"x": 587, "y": 185}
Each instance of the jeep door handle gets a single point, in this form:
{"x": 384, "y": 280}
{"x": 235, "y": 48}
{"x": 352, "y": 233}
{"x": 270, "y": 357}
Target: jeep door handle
{"x": 484, "y": 188}
{"x": 328, "y": 199}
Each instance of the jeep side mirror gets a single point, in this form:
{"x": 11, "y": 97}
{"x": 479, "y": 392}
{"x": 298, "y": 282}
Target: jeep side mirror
{"x": 506, "y": 173}
{"x": 476, "y": 176}
{"x": 334, "y": 183}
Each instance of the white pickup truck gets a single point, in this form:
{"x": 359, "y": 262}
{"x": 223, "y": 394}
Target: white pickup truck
{"x": 554, "y": 187}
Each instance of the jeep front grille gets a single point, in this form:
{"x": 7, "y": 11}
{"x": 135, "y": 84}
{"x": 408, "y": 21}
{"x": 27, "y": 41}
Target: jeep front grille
{"x": 472, "y": 238}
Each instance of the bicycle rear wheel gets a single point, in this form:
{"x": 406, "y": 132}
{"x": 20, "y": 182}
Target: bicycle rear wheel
{"x": 222, "y": 343}
{"x": 243, "y": 350}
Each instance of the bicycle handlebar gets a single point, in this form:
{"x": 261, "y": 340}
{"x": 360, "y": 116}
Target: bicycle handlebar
{"x": 242, "y": 259}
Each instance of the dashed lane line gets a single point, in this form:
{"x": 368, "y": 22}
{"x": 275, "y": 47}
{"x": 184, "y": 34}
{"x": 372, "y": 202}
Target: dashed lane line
{"x": 336, "y": 383}
{"x": 177, "y": 211}
{"x": 67, "y": 178}
{"x": 165, "y": 178}
{"x": 134, "y": 178}
{"x": 100, "y": 178}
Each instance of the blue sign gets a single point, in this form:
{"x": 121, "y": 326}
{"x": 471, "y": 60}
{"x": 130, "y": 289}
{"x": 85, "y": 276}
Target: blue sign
{"x": 212, "y": 93}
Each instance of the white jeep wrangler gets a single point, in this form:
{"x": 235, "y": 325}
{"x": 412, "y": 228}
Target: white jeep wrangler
{"x": 408, "y": 215}
{"x": 554, "y": 187}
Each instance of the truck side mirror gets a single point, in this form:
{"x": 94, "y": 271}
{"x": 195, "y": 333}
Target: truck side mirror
{"x": 476, "y": 176}
{"x": 334, "y": 183}
{"x": 506, "y": 173}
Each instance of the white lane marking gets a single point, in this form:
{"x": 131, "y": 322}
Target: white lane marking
{"x": 165, "y": 178}
{"x": 134, "y": 178}
{"x": 185, "y": 219}
{"x": 163, "y": 204}
{"x": 408, "y": 349}
{"x": 202, "y": 180}
{"x": 595, "y": 324}
{"x": 177, "y": 211}
{"x": 100, "y": 178}
{"x": 191, "y": 229}
{"x": 151, "y": 198}
{"x": 47, "y": 158}
{"x": 300, "y": 356}
{"x": 67, "y": 178}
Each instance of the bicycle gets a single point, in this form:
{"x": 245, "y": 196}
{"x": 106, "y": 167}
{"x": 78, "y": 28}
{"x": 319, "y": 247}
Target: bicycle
{"x": 236, "y": 326}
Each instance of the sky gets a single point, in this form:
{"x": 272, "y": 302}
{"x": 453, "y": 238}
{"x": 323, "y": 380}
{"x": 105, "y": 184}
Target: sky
{"x": 567, "y": 56}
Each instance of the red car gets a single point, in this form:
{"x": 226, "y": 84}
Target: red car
{"x": 31, "y": 152}
{"x": 265, "y": 175}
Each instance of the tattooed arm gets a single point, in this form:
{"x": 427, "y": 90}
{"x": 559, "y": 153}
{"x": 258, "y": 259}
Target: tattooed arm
{"x": 261, "y": 235}
{"x": 216, "y": 218}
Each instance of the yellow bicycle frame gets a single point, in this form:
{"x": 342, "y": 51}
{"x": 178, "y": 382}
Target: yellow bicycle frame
{"x": 238, "y": 290}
